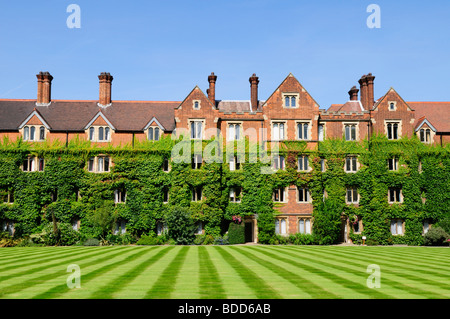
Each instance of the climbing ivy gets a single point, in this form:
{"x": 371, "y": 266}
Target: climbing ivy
{"x": 65, "y": 191}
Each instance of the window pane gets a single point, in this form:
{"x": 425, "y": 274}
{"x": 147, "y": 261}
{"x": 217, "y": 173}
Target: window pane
{"x": 199, "y": 130}
{"x": 277, "y": 226}
{"x": 347, "y": 133}
{"x": 422, "y": 135}
{"x": 26, "y": 133}
{"x": 283, "y": 226}
{"x": 276, "y": 132}
{"x": 308, "y": 226}
{"x": 281, "y": 131}
{"x": 156, "y": 133}
{"x": 91, "y": 133}
{"x": 91, "y": 164}
{"x": 106, "y": 133}
{"x": 321, "y": 132}
{"x": 305, "y": 131}
{"x": 286, "y": 101}
{"x": 293, "y": 101}
{"x": 353, "y": 127}
{"x": 300, "y": 131}
{"x": 41, "y": 133}
{"x": 393, "y": 227}
{"x": 100, "y": 133}
{"x": 238, "y": 131}
{"x": 32, "y": 131}
{"x": 100, "y": 164}
{"x": 192, "y": 130}
{"x": 301, "y": 226}
{"x": 150, "y": 133}
{"x": 395, "y": 132}
{"x": 354, "y": 164}
{"x": 399, "y": 227}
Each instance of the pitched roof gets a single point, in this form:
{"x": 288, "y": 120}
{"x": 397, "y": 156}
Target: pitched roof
{"x": 350, "y": 106}
{"x": 230, "y": 106}
{"x": 437, "y": 113}
{"x": 72, "y": 115}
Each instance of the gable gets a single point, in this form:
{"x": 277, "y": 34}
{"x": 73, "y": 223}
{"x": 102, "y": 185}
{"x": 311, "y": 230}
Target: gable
{"x": 392, "y": 96}
{"x": 101, "y": 120}
{"x": 154, "y": 122}
{"x": 34, "y": 119}
{"x": 196, "y": 94}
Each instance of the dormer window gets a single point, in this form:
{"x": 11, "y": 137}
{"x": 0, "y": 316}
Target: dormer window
{"x": 425, "y": 135}
{"x": 153, "y": 133}
{"x": 33, "y": 133}
{"x": 99, "y": 134}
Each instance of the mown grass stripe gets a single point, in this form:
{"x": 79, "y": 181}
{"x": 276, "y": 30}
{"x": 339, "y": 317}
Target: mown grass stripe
{"x": 57, "y": 291}
{"x": 48, "y": 276}
{"x": 121, "y": 282}
{"x": 392, "y": 283}
{"x": 249, "y": 277}
{"x": 164, "y": 286}
{"x": 400, "y": 258}
{"x": 210, "y": 282}
{"x": 300, "y": 282}
{"x": 371, "y": 293}
{"x": 16, "y": 265}
{"x": 389, "y": 270}
{"x": 30, "y": 252}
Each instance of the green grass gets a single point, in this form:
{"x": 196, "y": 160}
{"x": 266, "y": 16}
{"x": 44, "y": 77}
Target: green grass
{"x": 220, "y": 272}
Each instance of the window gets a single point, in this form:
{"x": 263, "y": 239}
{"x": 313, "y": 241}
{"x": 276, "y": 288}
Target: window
{"x": 120, "y": 196}
{"x": 92, "y": 134}
{"x": 350, "y": 132}
{"x": 103, "y": 134}
{"x": 54, "y": 195}
{"x": 392, "y": 106}
{"x": 357, "y": 225}
{"x": 290, "y": 100}
{"x": 426, "y": 226}
{"x": 161, "y": 228}
{"x": 397, "y": 226}
{"x": 32, "y": 133}
{"x": 278, "y": 131}
{"x": 196, "y": 104}
{"x": 120, "y": 227}
{"x": 234, "y": 163}
{"x": 165, "y": 194}
{"x": 234, "y": 132}
{"x": 196, "y": 161}
{"x": 8, "y": 226}
{"x": 302, "y": 131}
{"x": 199, "y": 228}
{"x": 42, "y": 133}
{"x": 278, "y": 195}
{"x": 75, "y": 224}
{"x": 393, "y": 164}
{"x": 196, "y": 130}
{"x": 425, "y": 135}
{"x": 395, "y": 195}
{"x": 280, "y": 226}
{"x": 32, "y": 164}
{"x": 196, "y": 194}
{"x": 304, "y": 225}
{"x": 278, "y": 162}
{"x": 6, "y": 196}
{"x": 99, "y": 164}
{"x": 392, "y": 130}
{"x": 103, "y": 164}
{"x": 165, "y": 166}
{"x": 303, "y": 163}
{"x": 153, "y": 133}
{"x": 352, "y": 195}
{"x": 351, "y": 164}
{"x": 303, "y": 194}
{"x": 235, "y": 195}
{"x": 322, "y": 165}
{"x": 26, "y": 133}
{"x": 321, "y": 132}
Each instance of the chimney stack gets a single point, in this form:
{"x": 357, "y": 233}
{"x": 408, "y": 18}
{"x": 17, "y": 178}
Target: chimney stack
{"x": 44, "y": 88}
{"x": 363, "y": 89}
{"x": 212, "y": 88}
{"x": 105, "y": 80}
{"x": 370, "y": 91}
{"x": 254, "y": 80}
{"x": 353, "y": 94}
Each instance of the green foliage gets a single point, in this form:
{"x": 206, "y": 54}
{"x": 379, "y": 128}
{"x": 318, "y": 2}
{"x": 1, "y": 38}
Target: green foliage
{"x": 181, "y": 226}
{"x": 91, "y": 242}
{"x": 236, "y": 233}
{"x": 436, "y": 236}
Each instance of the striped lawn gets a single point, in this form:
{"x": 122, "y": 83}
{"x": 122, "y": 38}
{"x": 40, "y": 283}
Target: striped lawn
{"x": 221, "y": 272}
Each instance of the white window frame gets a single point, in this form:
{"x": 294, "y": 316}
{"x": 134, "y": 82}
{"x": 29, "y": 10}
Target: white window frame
{"x": 302, "y": 130}
{"x": 279, "y": 195}
{"x": 234, "y": 131}
{"x": 96, "y": 162}
{"x": 234, "y": 163}
{"x": 393, "y": 164}
{"x": 153, "y": 130}
{"x": 394, "y": 103}
{"x": 354, "y": 167}
{"x": 292, "y": 96}
{"x": 196, "y": 135}
{"x": 303, "y": 159}
{"x": 352, "y": 195}
{"x": 390, "y": 129}
{"x": 306, "y": 195}
{"x": 306, "y": 222}
{"x": 120, "y": 196}
{"x": 278, "y": 162}
{"x": 279, "y": 129}
{"x": 397, "y": 227}
{"x": 197, "y": 103}
{"x": 33, "y": 164}
{"x": 348, "y": 135}
{"x": 235, "y": 194}
{"x": 281, "y": 226}
{"x": 397, "y": 193}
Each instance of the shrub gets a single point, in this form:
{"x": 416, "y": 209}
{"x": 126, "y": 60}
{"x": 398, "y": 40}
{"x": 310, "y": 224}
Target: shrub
{"x": 236, "y": 233}
{"x": 209, "y": 240}
{"x": 199, "y": 239}
{"x": 301, "y": 239}
{"x": 219, "y": 240}
{"x": 58, "y": 234}
{"x": 147, "y": 240}
{"x": 436, "y": 236}
{"x": 181, "y": 226}
{"x": 91, "y": 242}
{"x": 444, "y": 224}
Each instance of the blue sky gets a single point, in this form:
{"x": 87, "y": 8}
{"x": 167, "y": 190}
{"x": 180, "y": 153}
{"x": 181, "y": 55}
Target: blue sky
{"x": 159, "y": 50}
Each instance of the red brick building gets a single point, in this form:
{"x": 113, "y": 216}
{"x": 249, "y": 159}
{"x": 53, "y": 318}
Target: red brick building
{"x": 289, "y": 113}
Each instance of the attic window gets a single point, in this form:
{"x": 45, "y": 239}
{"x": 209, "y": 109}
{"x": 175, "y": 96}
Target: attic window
{"x": 99, "y": 134}
{"x": 29, "y": 133}
{"x": 196, "y": 104}
{"x": 290, "y": 100}
{"x": 425, "y": 135}
{"x": 392, "y": 106}
{"x": 153, "y": 133}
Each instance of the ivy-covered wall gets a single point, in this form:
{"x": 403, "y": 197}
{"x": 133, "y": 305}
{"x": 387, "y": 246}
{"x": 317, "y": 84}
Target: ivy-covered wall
{"x": 423, "y": 176}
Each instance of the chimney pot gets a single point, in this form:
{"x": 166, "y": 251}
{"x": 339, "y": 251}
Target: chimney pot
{"x": 44, "y": 88}
{"x": 353, "y": 93}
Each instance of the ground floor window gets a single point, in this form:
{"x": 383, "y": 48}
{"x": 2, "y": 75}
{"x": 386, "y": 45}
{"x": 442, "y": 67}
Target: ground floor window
{"x": 397, "y": 226}
{"x": 304, "y": 225}
{"x": 280, "y": 226}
